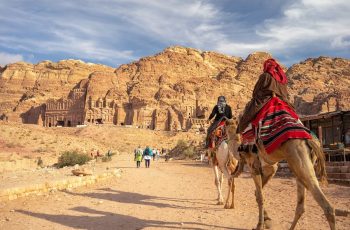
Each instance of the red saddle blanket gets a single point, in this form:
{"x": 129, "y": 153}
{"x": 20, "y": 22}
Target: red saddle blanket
{"x": 218, "y": 135}
{"x": 276, "y": 123}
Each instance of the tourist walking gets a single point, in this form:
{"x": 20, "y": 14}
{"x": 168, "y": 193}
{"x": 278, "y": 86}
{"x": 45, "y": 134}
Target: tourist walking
{"x": 158, "y": 154}
{"x": 138, "y": 156}
{"x": 154, "y": 153}
{"x": 147, "y": 155}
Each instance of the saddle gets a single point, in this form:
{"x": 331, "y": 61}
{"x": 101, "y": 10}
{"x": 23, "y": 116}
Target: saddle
{"x": 248, "y": 141}
{"x": 275, "y": 124}
{"x": 218, "y": 135}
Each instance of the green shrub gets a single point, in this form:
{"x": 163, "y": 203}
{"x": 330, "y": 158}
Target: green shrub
{"x": 40, "y": 150}
{"x": 14, "y": 145}
{"x": 182, "y": 150}
{"x": 40, "y": 162}
{"x": 106, "y": 158}
{"x": 10, "y": 145}
{"x": 71, "y": 158}
{"x": 189, "y": 151}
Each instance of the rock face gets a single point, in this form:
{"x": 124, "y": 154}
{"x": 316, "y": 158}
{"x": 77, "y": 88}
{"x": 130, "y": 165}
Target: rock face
{"x": 320, "y": 85}
{"x": 172, "y": 90}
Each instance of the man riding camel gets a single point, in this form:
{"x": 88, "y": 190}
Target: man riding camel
{"x": 220, "y": 110}
{"x": 273, "y": 82}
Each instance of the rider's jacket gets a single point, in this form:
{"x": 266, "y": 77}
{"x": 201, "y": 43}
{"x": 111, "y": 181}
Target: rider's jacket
{"x": 227, "y": 112}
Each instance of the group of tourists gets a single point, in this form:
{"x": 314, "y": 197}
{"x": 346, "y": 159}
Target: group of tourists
{"x": 146, "y": 154}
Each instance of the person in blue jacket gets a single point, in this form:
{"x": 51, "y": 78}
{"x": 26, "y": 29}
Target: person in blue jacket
{"x": 147, "y": 155}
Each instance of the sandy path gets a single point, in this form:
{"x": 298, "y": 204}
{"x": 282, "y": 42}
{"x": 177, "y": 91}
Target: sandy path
{"x": 176, "y": 195}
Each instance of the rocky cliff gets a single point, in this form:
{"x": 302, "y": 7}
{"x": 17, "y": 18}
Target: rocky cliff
{"x": 172, "y": 86}
{"x": 320, "y": 85}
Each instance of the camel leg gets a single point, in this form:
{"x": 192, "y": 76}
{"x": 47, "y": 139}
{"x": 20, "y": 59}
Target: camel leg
{"x": 231, "y": 190}
{"x": 300, "y": 204}
{"x": 298, "y": 158}
{"x": 227, "y": 205}
{"x": 255, "y": 170}
{"x": 268, "y": 171}
{"x": 218, "y": 182}
{"x": 230, "y": 184}
{"x": 259, "y": 199}
{"x": 233, "y": 193}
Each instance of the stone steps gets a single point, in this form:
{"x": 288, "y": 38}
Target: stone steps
{"x": 337, "y": 172}
{"x": 339, "y": 181}
{"x": 338, "y": 169}
{"x": 339, "y": 176}
{"x": 338, "y": 163}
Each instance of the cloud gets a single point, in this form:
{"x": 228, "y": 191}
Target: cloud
{"x": 307, "y": 26}
{"x": 6, "y": 58}
{"x": 120, "y": 31}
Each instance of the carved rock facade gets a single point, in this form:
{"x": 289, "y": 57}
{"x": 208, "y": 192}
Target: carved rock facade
{"x": 173, "y": 90}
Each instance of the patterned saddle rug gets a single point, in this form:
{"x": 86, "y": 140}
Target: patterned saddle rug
{"x": 275, "y": 123}
{"x": 218, "y": 135}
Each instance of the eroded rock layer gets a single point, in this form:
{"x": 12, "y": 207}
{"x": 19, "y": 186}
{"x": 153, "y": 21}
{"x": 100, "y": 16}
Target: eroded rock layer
{"x": 174, "y": 89}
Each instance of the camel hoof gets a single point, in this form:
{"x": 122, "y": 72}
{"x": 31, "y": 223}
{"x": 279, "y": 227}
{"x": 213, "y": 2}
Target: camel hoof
{"x": 232, "y": 207}
{"x": 268, "y": 224}
{"x": 219, "y": 203}
{"x": 226, "y": 206}
{"x": 259, "y": 227}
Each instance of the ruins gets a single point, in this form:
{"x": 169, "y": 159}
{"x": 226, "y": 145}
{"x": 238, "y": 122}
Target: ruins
{"x": 80, "y": 109}
{"x": 172, "y": 90}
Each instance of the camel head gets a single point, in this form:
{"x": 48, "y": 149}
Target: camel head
{"x": 231, "y": 127}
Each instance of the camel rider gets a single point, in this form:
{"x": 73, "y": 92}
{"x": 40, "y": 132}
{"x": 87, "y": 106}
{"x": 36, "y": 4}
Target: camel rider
{"x": 273, "y": 81}
{"x": 220, "y": 110}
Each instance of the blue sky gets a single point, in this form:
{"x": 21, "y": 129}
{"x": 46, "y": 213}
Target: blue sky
{"x": 115, "y": 32}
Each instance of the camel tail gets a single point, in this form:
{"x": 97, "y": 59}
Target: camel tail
{"x": 320, "y": 164}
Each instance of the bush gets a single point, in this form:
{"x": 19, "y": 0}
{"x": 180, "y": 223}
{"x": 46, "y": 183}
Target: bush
{"x": 40, "y": 150}
{"x": 71, "y": 158}
{"x": 106, "y": 158}
{"x": 182, "y": 150}
{"x": 40, "y": 162}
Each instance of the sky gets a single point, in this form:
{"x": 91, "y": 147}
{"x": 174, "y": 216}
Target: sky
{"x": 115, "y": 32}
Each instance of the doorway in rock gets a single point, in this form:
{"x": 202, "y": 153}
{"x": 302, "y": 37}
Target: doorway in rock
{"x": 99, "y": 121}
{"x": 69, "y": 124}
{"x": 50, "y": 124}
{"x": 60, "y": 123}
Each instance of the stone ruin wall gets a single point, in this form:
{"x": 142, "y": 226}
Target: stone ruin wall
{"x": 79, "y": 108}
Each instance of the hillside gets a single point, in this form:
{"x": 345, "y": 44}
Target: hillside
{"x": 167, "y": 90}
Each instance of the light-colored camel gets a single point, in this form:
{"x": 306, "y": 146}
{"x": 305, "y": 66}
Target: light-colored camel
{"x": 301, "y": 156}
{"x": 224, "y": 163}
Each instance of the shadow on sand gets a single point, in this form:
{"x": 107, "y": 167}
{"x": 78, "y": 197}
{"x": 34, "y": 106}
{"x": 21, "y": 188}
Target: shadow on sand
{"x": 200, "y": 165}
{"x": 139, "y": 199}
{"x": 108, "y": 220}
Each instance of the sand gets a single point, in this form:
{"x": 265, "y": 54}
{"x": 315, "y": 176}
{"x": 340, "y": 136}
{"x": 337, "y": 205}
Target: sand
{"x": 169, "y": 195}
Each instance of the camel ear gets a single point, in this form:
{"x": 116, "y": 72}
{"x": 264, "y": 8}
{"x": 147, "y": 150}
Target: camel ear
{"x": 231, "y": 122}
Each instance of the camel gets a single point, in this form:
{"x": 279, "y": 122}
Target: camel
{"x": 224, "y": 163}
{"x": 301, "y": 156}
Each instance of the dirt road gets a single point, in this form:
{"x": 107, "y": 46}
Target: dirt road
{"x": 175, "y": 195}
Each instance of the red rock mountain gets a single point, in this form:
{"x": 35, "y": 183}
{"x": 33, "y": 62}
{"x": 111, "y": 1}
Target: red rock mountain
{"x": 170, "y": 90}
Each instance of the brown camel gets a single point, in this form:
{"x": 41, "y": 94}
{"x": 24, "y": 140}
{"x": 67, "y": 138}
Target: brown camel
{"x": 301, "y": 156}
